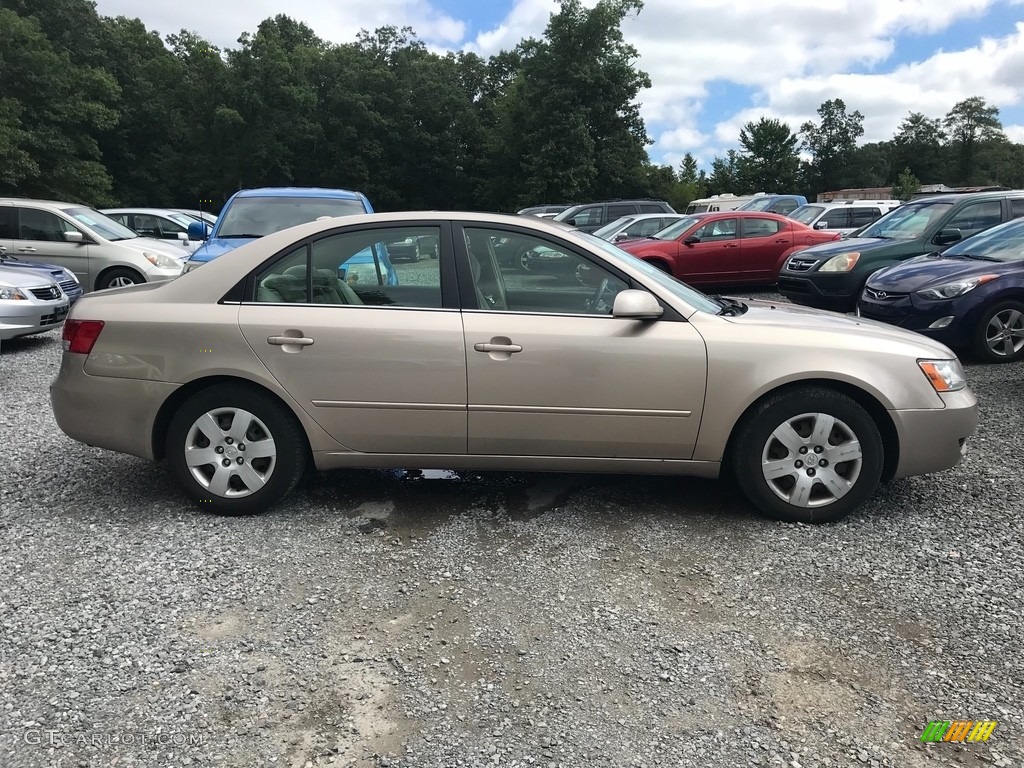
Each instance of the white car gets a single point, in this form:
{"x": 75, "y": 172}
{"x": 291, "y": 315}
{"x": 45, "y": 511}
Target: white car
{"x": 99, "y": 251}
{"x": 637, "y": 225}
{"x": 30, "y": 302}
{"x": 843, "y": 216}
{"x": 158, "y": 223}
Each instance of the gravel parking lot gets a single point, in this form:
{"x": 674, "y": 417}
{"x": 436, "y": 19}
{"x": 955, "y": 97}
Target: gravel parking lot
{"x": 428, "y": 619}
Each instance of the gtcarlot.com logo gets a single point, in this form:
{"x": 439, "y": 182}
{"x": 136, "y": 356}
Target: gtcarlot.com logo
{"x": 49, "y": 737}
{"x": 959, "y": 730}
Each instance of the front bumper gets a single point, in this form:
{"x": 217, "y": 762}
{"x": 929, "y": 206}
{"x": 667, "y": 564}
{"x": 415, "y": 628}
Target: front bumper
{"x": 24, "y": 318}
{"x": 836, "y": 292}
{"x": 935, "y": 439}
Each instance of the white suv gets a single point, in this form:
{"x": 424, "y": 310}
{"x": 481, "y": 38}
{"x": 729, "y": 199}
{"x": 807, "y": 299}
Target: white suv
{"x": 99, "y": 251}
{"x": 844, "y": 215}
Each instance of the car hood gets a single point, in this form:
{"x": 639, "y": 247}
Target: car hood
{"x": 933, "y": 269}
{"x": 50, "y": 269}
{"x": 25, "y": 278}
{"x": 864, "y": 333}
{"x": 211, "y": 249}
{"x": 152, "y": 245}
{"x": 835, "y": 247}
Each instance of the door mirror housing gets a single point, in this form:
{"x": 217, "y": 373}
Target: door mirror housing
{"x": 947, "y": 236}
{"x": 820, "y": 225}
{"x": 638, "y": 305}
{"x": 196, "y": 231}
{"x": 691, "y": 240}
{"x": 73, "y": 237}
{"x": 183, "y": 237}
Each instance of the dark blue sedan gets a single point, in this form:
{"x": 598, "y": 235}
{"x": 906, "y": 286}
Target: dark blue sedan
{"x": 64, "y": 277}
{"x": 969, "y": 297}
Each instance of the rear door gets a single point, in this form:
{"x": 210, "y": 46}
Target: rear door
{"x": 764, "y": 241}
{"x": 380, "y": 367}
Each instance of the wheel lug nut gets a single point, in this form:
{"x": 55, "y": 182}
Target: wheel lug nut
{"x": 824, "y": 462}
{"x": 219, "y": 449}
{"x": 229, "y": 440}
{"x": 240, "y": 460}
{"x": 803, "y": 449}
{"x": 810, "y": 473}
{"x": 241, "y": 446}
{"x": 226, "y": 462}
{"x": 799, "y": 464}
{"x": 818, "y": 449}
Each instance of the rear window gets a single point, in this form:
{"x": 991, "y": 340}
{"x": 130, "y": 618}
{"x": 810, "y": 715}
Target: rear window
{"x": 805, "y": 214}
{"x": 258, "y": 216}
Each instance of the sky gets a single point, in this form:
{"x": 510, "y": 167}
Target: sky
{"x": 714, "y": 66}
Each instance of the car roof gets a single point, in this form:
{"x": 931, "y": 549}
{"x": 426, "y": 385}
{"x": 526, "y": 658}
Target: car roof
{"x": 11, "y": 201}
{"x": 952, "y": 198}
{"x": 341, "y": 194}
{"x": 140, "y": 210}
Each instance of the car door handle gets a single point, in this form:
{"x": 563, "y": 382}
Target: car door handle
{"x": 30, "y": 249}
{"x": 483, "y": 347}
{"x": 280, "y": 341}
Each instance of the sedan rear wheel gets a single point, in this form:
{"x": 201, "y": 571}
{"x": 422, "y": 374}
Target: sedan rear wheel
{"x": 808, "y": 455}
{"x": 1000, "y": 334}
{"x": 235, "y": 450}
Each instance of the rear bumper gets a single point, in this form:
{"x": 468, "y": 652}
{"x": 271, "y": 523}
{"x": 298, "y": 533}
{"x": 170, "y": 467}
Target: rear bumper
{"x": 111, "y": 413}
{"x": 933, "y": 440}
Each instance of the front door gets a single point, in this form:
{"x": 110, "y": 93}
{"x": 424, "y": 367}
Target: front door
{"x": 380, "y": 367}
{"x": 40, "y": 237}
{"x": 552, "y": 373}
{"x": 716, "y": 257}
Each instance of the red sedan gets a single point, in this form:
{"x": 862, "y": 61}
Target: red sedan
{"x": 726, "y": 247}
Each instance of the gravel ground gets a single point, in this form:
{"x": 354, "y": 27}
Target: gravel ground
{"x": 397, "y": 619}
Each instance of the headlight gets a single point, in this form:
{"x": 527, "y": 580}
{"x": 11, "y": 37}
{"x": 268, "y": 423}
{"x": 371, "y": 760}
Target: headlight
{"x": 944, "y": 375}
{"x": 10, "y": 293}
{"x": 957, "y": 288}
{"x": 71, "y": 276}
{"x": 844, "y": 262}
{"x": 161, "y": 261}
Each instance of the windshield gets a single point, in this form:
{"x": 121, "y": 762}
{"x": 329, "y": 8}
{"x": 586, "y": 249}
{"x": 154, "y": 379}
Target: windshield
{"x": 613, "y": 227}
{"x": 678, "y": 288}
{"x": 698, "y": 207}
{"x": 568, "y": 213}
{"x": 758, "y": 204}
{"x": 183, "y": 219}
{"x": 259, "y": 216}
{"x": 101, "y": 224}
{"x": 1001, "y": 243}
{"x": 805, "y": 214}
{"x": 676, "y": 228}
{"x": 907, "y": 222}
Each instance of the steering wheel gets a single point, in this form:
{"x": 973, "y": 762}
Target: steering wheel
{"x": 593, "y": 303}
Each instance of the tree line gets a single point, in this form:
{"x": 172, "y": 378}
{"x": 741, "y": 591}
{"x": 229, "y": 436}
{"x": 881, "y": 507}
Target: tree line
{"x": 104, "y": 111}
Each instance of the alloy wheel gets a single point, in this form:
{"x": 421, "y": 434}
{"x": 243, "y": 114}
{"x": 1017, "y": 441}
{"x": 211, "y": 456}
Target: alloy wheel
{"x": 230, "y": 452}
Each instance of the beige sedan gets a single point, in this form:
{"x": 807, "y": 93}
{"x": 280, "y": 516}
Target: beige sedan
{"x": 295, "y": 350}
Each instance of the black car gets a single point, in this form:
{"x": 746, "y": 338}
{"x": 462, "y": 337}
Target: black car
{"x": 969, "y": 297}
{"x": 832, "y": 275}
{"x": 591, "y": 216}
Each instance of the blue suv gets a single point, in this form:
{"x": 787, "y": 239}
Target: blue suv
{"x": 253, "y": 213}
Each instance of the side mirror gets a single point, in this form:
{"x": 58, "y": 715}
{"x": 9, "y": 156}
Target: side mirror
{"x": 183, "y": 237}
{"x": 620, "y": 236}
{"x": 638, "y": 305}
{"x": 820, "y": 225}
{"x": 73, "y": 237}
{"x": 691, "y": 240}
{"x": 197, "y": 231}
{"x": 947, "y": 236}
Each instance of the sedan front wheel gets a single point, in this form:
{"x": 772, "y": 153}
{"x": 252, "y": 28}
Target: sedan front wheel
{"x": 235, "y": 450}
{"x": 808, "y": 455}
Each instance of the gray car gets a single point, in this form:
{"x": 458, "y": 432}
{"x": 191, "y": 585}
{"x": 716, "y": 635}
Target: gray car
{"x": 243, "y": 373}
{"x": 157, "y": 223}
{"x": 30, "y": 302}
{"x": 100, "y": 252}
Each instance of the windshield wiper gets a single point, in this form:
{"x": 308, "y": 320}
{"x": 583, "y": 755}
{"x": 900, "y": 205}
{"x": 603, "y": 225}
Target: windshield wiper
{"x": 245, "y": 234}
{"x": 976, "y": 257}
{"x": 730, "y": 306}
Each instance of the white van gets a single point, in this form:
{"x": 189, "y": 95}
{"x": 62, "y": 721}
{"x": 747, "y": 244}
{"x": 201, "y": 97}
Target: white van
{"x": 723, "y": 202}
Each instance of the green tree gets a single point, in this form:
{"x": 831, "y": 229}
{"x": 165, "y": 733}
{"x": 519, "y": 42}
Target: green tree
{"x": 768, "y": 161}
{"x": 906, "y": 185}
{"x": 50, "y": 114}
{"x": 971, "y": 122}
{"x": 725, "y": 176}
{"x": 917, "y": 146}
{"x": 870, "y": 165}
{"x": 831, "y": 144}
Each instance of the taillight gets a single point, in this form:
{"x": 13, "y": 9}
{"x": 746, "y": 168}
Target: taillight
{"x": 80, "y": 335}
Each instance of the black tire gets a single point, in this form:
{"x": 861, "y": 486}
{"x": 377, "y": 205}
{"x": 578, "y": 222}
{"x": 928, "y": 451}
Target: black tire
{"x": 119, "y": 277}
{"x": 754, "y": 444}
{"x": 1007, "y": 313}
{"x": 279, "y": 475}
